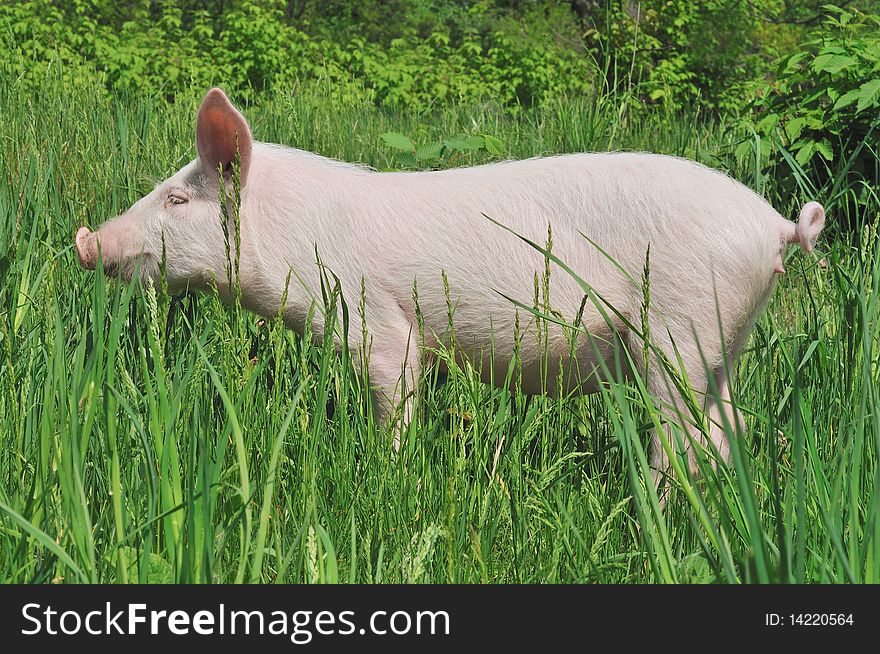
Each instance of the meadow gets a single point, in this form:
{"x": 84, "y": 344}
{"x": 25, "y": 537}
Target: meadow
{"x": 176, "y": 439}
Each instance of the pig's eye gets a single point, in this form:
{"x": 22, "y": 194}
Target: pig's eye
{"x": 175, "y": 198}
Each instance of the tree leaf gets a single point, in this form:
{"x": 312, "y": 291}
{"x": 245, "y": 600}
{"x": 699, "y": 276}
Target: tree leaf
{"x": 790, "y": 64}
{"x": 804, "y": 155}
{"x": 767, "y": 123}
{"x": 456, "y": 142}
{"x": 794, "y": 127}
{"x": 832, "y": 63}
{"x": 429, "y": 152}
{"x": 407, "y": 160}
{"x": 474, "y": 143}
{"x": 744, "y": 150}
{"x": 823, "y": 147}
{"x": 398, "y": 141}
{"x": 846, "y": 99}
{"x": 869, "y": 93}
{"x": 493, "y": 145}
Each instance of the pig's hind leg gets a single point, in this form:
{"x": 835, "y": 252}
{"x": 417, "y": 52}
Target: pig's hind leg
{"x": 394, "y": 371}
{"x": 691, "y": 414}
{"x": 723, "y": 417}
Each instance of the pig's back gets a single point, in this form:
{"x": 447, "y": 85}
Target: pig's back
{"x": 709, "y": 236}
{"x": 699, "y": 224}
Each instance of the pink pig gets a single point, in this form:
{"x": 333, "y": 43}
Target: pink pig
{"x": 715, "y": 250}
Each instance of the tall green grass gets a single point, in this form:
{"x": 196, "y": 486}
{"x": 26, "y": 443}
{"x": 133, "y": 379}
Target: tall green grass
{"x": 148, "y": 438}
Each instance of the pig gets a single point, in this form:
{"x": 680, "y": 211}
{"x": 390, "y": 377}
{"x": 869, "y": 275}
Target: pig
{"x": 716, "y": 249}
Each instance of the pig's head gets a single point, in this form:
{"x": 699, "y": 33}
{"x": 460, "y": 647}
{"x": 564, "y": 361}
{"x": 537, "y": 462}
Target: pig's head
{"x": 184, "y": 210}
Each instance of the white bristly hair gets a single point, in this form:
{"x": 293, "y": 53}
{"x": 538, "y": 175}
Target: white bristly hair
{"x": 715, "y": 250}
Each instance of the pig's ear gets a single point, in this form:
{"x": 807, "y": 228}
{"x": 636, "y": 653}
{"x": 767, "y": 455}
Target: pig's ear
{"x": 220, "y": 128}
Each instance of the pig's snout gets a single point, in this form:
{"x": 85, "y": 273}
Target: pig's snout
{"x": 86, "y": 248}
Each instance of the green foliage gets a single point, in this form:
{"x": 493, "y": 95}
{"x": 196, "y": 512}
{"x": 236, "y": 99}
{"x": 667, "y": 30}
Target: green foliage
{"x": 439, "y": 153}
{"x": 414, "y": 54}
{"x": 823, "y": 111}
{"x": 434, "y": 71}
{"x": 251, "y": 49}
{"x": 158, "y": 570}
{"x": 680, "y": 52}
{"x": 155, "y": 439}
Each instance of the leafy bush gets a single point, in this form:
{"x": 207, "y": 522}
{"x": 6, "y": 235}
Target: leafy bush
{"x": 251, "y": 49}
{"x": 439, "y": 153}
{"x": 820, "y": 118}
{"x": 679, "y": 52}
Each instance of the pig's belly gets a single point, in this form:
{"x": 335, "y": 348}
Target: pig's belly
{"x": 546, "y": 368}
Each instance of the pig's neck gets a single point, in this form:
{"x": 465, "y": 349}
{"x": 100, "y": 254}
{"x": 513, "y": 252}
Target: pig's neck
{"x": 290, "y": 198}
{"x": 264, "y": 270}
{"x": 262, "y": 291}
